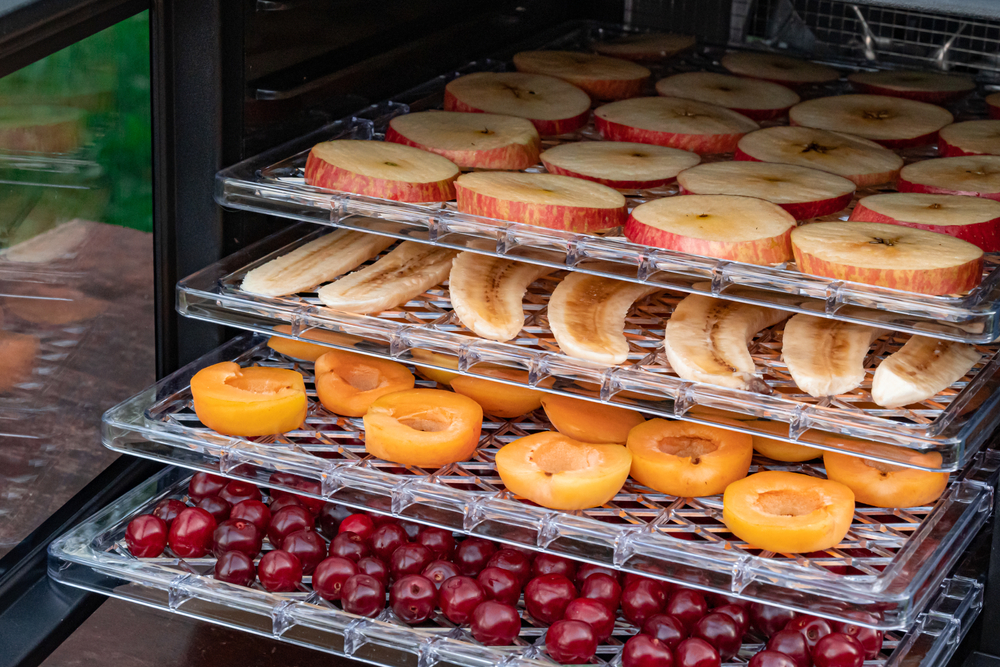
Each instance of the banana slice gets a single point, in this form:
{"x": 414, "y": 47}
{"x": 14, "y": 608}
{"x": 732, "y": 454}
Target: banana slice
{"x": 826, "y": 357}
{"x": 406, "y": 272}
{"x": 707, "y": 339}
{"x": 486, "y": 293}
{"x": 315, "y": 263}
{"x": 587, "y": 316}
{"x": 920, "y": 369}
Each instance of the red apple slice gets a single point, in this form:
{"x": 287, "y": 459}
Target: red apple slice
{"x": 380, "y": 169}
{"x": 743, "y": 229}
{"x": 479, "y": 140}
{"x": 618, "y": 164}
{"x": 600, "y": 77}
{"x": 993, "y": 105}
{"x": 858, "y": 160}
{"x": 971, "y": 137}
{"x": 546, "y": 200}
{"x": 902, "y": 258}
{"x": 971, "y": 219}
{"x": 646, "y": 47}
{"x": 757, "y": 100}
{"x": 933, "y": 87}
{"x": 551, "y": 104}
{"x": 670, "y": 121}
{"x": 803, "y": 192}
{"x": 973, "y": 175}
{"x": 893, "y": 122}
{"x": 778, "y": 69}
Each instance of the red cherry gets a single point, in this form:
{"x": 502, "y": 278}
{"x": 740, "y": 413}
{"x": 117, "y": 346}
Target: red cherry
{"x": 584, "y": 571}
{"x": 738, "y": 614}
{"x": 512, "y": 561}
{"x": 870, "y": 639}
{"x": 351, "y": 546}
{"x": 793, "y": 644}
{"x": 604, "y": 588}
{"x": 720, "y": 600}
{"x": 218, "y": 507}
{"x": 410, "y": 558}
{"x": 439, "y": 571}
{"x": 330, "y": 517}
{"x": 281, "y": 479}
{"x": 459, "y": 597}
{"x": 190, "y": 536}
{"x": 771, "y": 659}
{"x": 363, "y": 595}
{"x": 279, "y": 571}
{"x": 768, "y": 619}
{"x": 381, "y": 519}
{"x": 632, "y": 576}
{"x": 412, "y": 529}
{"x": 570, "y": 642}
{"x": 500, "y": 584}
{"x": 593, "y": 613}
{"x": 721, "y": 632}
{"x": 646, "y": 651}
{"x": 549, "y": 564}
{"x": 287, "y": 500}
{"x": 687, "y": 606}
{"x": 307, "y": 546}
{"x": 236, "y": 535}
{"x": 236, "y": 492}
{"x": 286, "y": 521}
{"x": 472, "y": 554}
{"x": 314, "y": 505}
{"x": 441, "y": 542}
{"x": 253, "y": 511}
{"x": 666, "y": 629}
{"x": 360, "y": 524}
{"x": 235, "y": 567}
{"x": 694, "y": 652}
{"x": 547, "y": 597}
{"x": 838, "y": 650}
{"x": 413, "y": 598}
{"x": 168, "y": 509}
{"x": 641, "y": 599}
{"x": 494, "y": 623}
{"x": 146, "y": 536}
{"x": 374, "y": 568}
{"x": 387, "y": 538}
{"x": 202, "y": 484}
{"x": 813, "y": 629}
{"x": 330, "y": 575}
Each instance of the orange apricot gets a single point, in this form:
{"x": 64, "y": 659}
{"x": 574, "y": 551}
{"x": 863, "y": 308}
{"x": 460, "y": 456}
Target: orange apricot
{"x": 688, "y": 460}
{"x": 249, "y": 401}
{"x": 786, "y": 512}
{"x": 499, "y": 399}
{"x": 435, "y": 374}
{"x": 348, "y": 383}
{"x": 779, "y": 450}
{"x": 429, "y": 428}
{"x": 558, "y": 472}
{"x": 17, "y": 358}
{"x": 300, "y": 349}
{"x": 587, "y": 421}
{"x": 885, "y": 485}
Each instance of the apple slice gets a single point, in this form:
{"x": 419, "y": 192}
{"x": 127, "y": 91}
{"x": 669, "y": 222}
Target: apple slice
{"x": 933, "y": 87}
{"x": 902, "y": 258}
{"x": 671, "y": 121}
{"x": 971, "y": 137}
{"x": 479, "y": 140}
{"x": 652, "y": 46}
{"x": 380, "y": 169}
{"x": 744, "y": 229}
{"x": 778, "y": 69}
{"x": 600, "y": 77}
{"x": 893, "y": 122}
{"x": 993, "y": 105}
{"x": 971, "y": 219}
{"x": 618, "y": 164}
{"x": 803, "y": 192}
{"x": 551, "y": 104}
{"x": 546, "y": 200}
{"x": 973, "y": 175}
{"x": 757, "y": 100}
{"x": 858, "y": 160}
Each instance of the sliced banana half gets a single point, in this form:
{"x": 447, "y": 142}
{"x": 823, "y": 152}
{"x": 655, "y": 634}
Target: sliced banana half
{"x": 920, "y": 369}
{"x": 826, "y": 357}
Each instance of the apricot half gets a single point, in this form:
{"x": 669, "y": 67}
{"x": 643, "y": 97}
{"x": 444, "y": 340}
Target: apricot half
{"x": 558, "y": 472}
{"x": 348, "y": 383}
{"x": 429, "y": 428}
{"x": 779, "y": 450}
{"x": 249, "y": 401}
{"x": 499, "y": 399}
{"x": 885, "y": 485}
{"x": 435, "y": 374}
{"x": 688, "y": 460}
{"x": 17, "y": 358}
{"x": 786, "y": 512}
{"x": 587, "y": 421}
{"x": 300, "y": 349}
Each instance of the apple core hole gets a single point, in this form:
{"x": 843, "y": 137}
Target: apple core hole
{"x": 789, "y": 502}
{"x": 684, "y": 446}
{"x": 362, "y": 378}
{"x": 561, "y": 456}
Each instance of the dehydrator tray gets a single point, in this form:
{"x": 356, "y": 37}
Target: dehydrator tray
{"x": 953, "y": 424}
{"x": 273, "y": 183}
{"x": 890, "y": 563}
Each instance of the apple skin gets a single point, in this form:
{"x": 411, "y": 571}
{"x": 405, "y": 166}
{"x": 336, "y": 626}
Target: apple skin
{"x": 512, "y": 156}
{"x": 610, "y": 90}
{"x": 860, "y": 180}
{"x": 552, "y": 216}
{"x": 985, "y": 235}
{"x": 950, "y": 150}
{"x": 774, "y": 250}
{"x": 808, "y": 209}
{"x": 702, "y": 144}
{"x": 903, "y": 185}
{"x": 938, "y": 97}
{"x": 922, "y": 140}
{"x": 623, "y": 185}
{"x": 546, "y": 128}
{"x": 322, "y": 174}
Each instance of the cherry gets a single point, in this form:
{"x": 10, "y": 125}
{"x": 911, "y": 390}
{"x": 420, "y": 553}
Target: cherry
{"x": 870, "y": 639}
{"x": 570, "y": 642}
{"x": 330, "y": 575}
{"x": 720, "y": 631}
{"x": 771, "y": 659}
{"x": 203, "y": 484}
{"x": 499, "y": 584}
{"x": 439, "y": 571}
{"x": 235, "y": 567}
{"x": 413, "y": 598}
{"x": 458, "y": 598}
{"x": 360, "y": 524}
{"x": 362, "y": 594}
{"x": 307, "y": 546}
{"x": 646, "y": 651}
{"x": 793, "y": 644}
{"x": 547, "y": 597}
{"x": 412, "y": 529}
{"x": 584, "y": 571}
{"x": 720, "y": 600}
{"x": 281, "y": 479}
{"x": 513, "y": 561}
{"x": 237, "y": 491}
{"x": 410, "y": 558}
{"x": 687, "y": 606}
{"x": 439, "y": 541}
{"x": 593, "y": 613}
{"x": 665, "y": 628}
{"x": 286, "y": 521}
{"x": 279, "y": 571}
{"x": 287, "y": 500}
{"x": 168, "y": 509}
{"x": 314, "y": 505}
{"x": 329, "y": 518}
{"x": 350, "y": 545}
{"x": 381, "y": 519}
{"x": 190, "y": 535}
{"x": 218, "y": 507}
{"x": 146, "y": 536}
{"x": 494, "y": 623}
{"x": 472, "y": 554}
{"x": 253, "y": 511}
{"x": 236, "y": 535}
{"x": 602, "y": 587}
{"x": 838, "y": 650}
{"x": 768, "y": 619}
{"x": 812, "y": 628}
{"x": 738, "y": 614}
{"x": 374, "y": 567}
{"x": 549, "y": 564}
{"x": 632, "y": 576}
{"x": 641, "y": 599}
{"x": 694, "y": 652}
{"x": 387, "y": 538}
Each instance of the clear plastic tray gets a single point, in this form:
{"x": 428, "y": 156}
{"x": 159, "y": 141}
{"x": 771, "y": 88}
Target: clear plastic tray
{"x": 273, "y": 183}
{"x": 954, "y": 423}
{"x": 890, "y": 562}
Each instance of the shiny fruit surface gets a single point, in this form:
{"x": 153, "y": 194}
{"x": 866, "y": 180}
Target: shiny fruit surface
{"x": 190, "y": 536}
{"x": 494, "y": 623}
{"x": 168, "y": 510}
{"x": 204, "y": 484}
{"x": 838, "y": 650}
{"x": 362, "y": 595}
{"x": 570, "y": 642}
{"x": 812, "y": 628}
{"x": 329, "y": 576}
{"x": 279, "y": 571}
{"x": 410, "y": 558}
{"x": 641, "y": 599}
{"x": 439, "y": 571}
{"x": 359, "y": 524}
{"x": 513, "y": 561}
{"x": 544, "y": 563}
{"x": 413, "y": 598}
{"x": 373, "y": 567}
{"x": 387, "y": 538}
{"x": 720, "y": 631}
{"x": 645, "y": 651}
{"x": 793, "y": 644}
{"x": 253, "y": 511}
{"x": 236, "y": 535}
{"x": 249, "y": 401}
{"x": 870, "y": 639}
{"x": 547, "y": 597}
{"x": 593, "y": 613}
{"x": 236, "y": 492}
{"x": 687, "y": 606}
{"x": 473, "y": 554}
{"x": 235, "y": 567}
{"x": 500, "y": 584}
{"x": 693, "y": 652}
{"x": 771, "y": 659}
{"x": 666, "y": 629}
{"x": 218, "y": 507}
{"x": 768, "y": 619}
{"x": 350, "y": 546}
{"x": 307, "y": 546}
{"x": 601, "y": 587}
{"x": 286, "y": 521}
{"x": 441, "y": 542}
{"x": 146, "y": 536}
{"x": 458, "y": 597}
{"x": 738, "y": 613}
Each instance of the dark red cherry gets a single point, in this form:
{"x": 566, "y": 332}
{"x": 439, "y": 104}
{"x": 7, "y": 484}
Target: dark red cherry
{"x": 236, "y": 535}
{"x": 768, "y": 619}
{"x": 279, "y": 571}
{"x": 287, "y": 500}
{"x": 387, "y": 538}
{"x": 738, "y": 614}
{"x": 218, "y": 507}
{"x": 314, "y": 505}
{"x": 350, "y": 545}
{"x": 812, "y": 628}
{"x": 330, "y": 575}
{"x": 235, "y": 567}
{"x": 667, "y": 587}
{"x": 512, "y": 561}
{"x": 307, "y": 546}
{"x": 720, "y": 631}
{"x": 278, "y": 479}
{"x": 411, "y": 558}
{"x": 570, "y": 642}
{"x": 253, "y": 511}
{"x": 412, "y": 530}
{"x": 439, "y": 571}
{"x": 666, "y": 628}
{"x": 593, "y": 613}
{"x": 771, "y": 659}
{"x": 604, "y": 588}
{"x": 360, "y": 524}
{"x": 330, "y": 517}
{"x": 793, "y": 644}
{"x": 870, "y": 639}
{"x": 236, "y": 492}
{"x": 204, "y": 484}
{"x": 646, "y": 651}
{"x": 190, "y": 535}
{"x": 687, "y": 606}
{"x": 441, "y": 542}
{"x": 693, "y": 652}
{"x": 413, "y": 598}
{"x": 381, "y": 519}
{"x": 499, "y": 584}
{"x": 547, "y": 597}
{"x": 584, "y": 571}
{"x": 838, "y": 650}
{"x": 494, "y": 623}
{"x": 363, "y": 595}
{"x": 146, "y": 536}
{"x": 641, "y": 599}
{"x": 549, "y": 564}
{"x": 286, "y": 521}
{"x": 458, "y": 597}
{"x": 374, "y": 567}
{"x": 472, "y": 554}
{"x": 720, "y": 600}
{"x": 168, "y": 509}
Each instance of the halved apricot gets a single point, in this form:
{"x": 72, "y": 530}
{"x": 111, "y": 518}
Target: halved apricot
{"x": 587, "y": 421}
{"x": 249, "y": 401}
{"x": 885, "y": 485}
{"x": 348, "y": 383}
{"x": 786, "y": 512}
{"x": 779, "y": 450}
{"x": 688, "y": 460}
{"x": 558, "y": 472}
{"x": 435, "y": 374}
{"x": 300, "y": 349}
{"x": 499, "y": 399}
{"x": 17, "y": 358}
{"x": 429, "y": 428}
